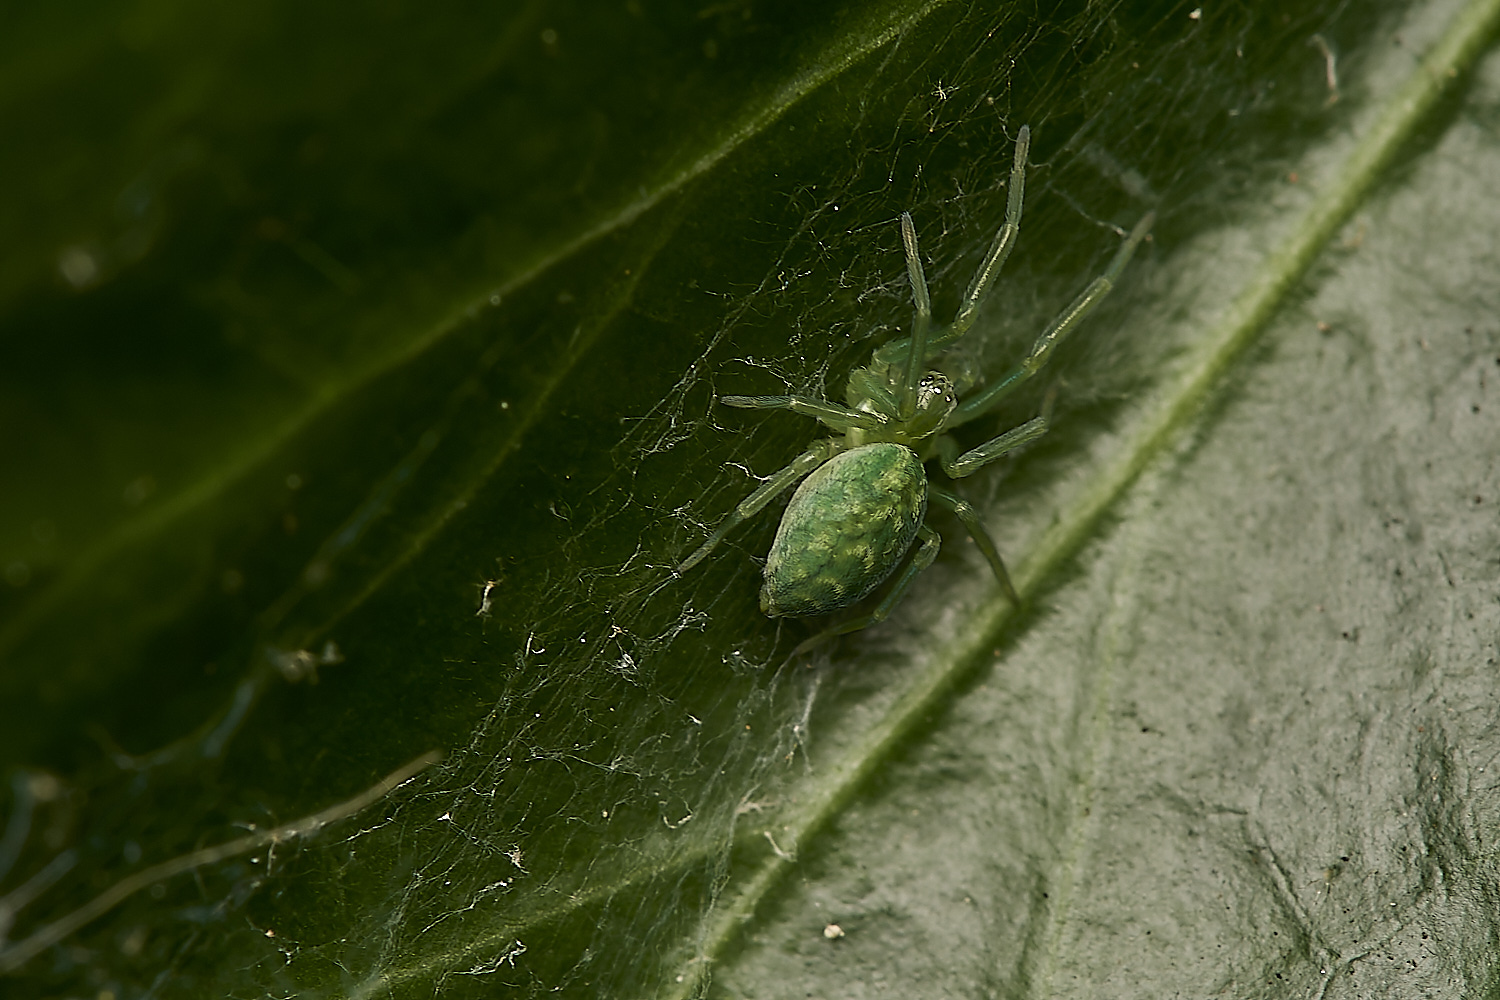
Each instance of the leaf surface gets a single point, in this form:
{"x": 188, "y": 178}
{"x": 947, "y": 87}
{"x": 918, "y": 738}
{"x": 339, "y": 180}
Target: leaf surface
{"x": 386, "y": 358}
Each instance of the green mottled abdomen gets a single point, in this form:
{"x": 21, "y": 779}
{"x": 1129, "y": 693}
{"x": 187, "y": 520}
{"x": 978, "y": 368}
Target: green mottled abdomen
{"x": 845, "y": 531}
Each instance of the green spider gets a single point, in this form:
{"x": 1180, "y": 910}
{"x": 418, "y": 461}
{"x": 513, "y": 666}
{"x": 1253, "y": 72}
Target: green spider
{"x": 864, "y": 500}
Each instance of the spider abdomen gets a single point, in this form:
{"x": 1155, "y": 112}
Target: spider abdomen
{"x": 845, "y": 530}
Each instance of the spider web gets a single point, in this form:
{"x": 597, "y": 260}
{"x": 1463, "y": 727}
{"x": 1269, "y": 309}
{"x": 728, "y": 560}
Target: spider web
{"x": 621, "y": 745}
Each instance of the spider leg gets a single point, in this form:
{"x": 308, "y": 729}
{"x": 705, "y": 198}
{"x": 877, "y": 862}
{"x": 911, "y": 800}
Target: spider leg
{"x": 928, "y": 551}
{"x": 1000, "y": 249}
{"x": 1042, "y": 349}
{"x": 916, "y": 353}
{"x": 958, "y": 466}
{"x": 820, "y": 452}
{"x": 840, "y": 418}
{"x": 970, "y": 518}
{"x": 1005, "y": 240}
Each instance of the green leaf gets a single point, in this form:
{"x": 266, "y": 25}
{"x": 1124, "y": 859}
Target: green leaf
{"x": 382, "y": 353}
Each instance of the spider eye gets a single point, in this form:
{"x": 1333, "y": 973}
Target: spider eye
{"x": 935, "y": 400}
{"x": 935, "y": 391}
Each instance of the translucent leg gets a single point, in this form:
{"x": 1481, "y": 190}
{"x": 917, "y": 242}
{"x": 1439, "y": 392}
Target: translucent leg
{"x": 977, "y": 405}
{"x": 970, "y": 462}
{"x": 1005, "y": 239}
{"x": 994, "y": 260}
{"x": 931, "y": 542}
{"x": 970, "y": 518}
{"x": 820, "y": 452}
{"x": 916, "y": 354}
{"x": 840, "y": 418}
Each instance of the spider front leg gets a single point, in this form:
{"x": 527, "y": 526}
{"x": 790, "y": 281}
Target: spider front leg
{"x": 920, "y": 347}
{"x": 980, "y": 403}
{"x": 1000, "y": 249}
{"x": 820, "y": 452}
